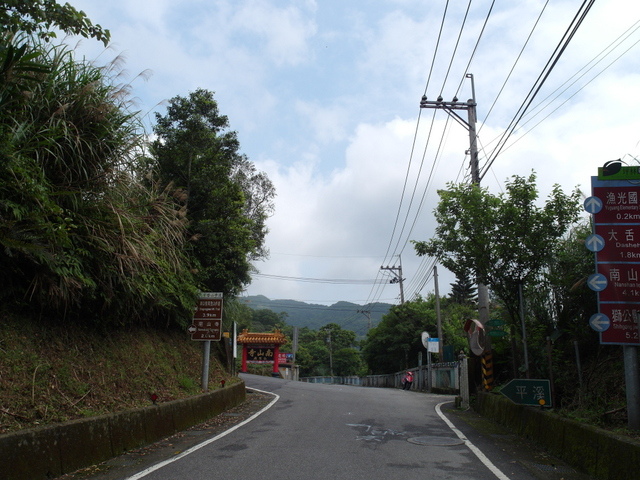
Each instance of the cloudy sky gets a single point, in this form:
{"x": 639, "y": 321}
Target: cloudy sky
{"x": 325, "y": 97}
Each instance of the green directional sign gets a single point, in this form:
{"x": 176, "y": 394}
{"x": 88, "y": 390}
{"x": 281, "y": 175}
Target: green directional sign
{"x": 620, "y": 173}
{"x": 497, "y": 333}
{"x": 495, "y": 322}
{"x": 528, "y": 392}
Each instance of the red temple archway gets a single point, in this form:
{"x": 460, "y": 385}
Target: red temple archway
{"x": 260, "y": 348}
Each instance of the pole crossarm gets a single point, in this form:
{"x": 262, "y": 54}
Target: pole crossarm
{"x": 450, "y": 107}
{"x": 397, "y": 278}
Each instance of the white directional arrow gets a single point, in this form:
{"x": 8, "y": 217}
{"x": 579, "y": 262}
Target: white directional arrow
{"x": 597, "y": 282}
{"x": 192, "y": 329}
{"x": 593, "y": 205}
{"x": 594, "y": 242}
{"x": 599, "y": 322}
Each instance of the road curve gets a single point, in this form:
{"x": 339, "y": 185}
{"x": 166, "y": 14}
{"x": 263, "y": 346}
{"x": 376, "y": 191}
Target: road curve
{"x": 315, "y": 431}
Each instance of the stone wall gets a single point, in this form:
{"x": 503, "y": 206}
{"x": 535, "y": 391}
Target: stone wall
{"x": 591, "y": 450}
{"x": 52, "y": 451}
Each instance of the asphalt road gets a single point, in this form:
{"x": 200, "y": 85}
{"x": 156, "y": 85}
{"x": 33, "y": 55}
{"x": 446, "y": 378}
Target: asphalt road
{"x": 313, "y": 431}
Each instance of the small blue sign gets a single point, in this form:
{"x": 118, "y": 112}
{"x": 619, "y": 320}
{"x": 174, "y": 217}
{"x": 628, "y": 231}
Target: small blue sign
{"x": 593, "y": 205}
{"x": 594, "y": 243}
{"x": 597, "y": 282}
{"x": 599, "y": 322}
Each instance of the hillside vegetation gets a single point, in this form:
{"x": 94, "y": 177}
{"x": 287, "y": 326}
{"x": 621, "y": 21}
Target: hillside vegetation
{"x": 53, "y": 373}
{"x": 106, "y": 237}
{"x": 350, "y": 316}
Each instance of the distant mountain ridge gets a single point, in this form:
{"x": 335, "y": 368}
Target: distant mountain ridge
{"x": 348, "y": 315}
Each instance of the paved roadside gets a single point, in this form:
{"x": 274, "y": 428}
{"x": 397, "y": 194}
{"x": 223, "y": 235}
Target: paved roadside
{"x": 132, "y": 462}
{"x": 529, "y": 455}
{"x": 476, "y": 428}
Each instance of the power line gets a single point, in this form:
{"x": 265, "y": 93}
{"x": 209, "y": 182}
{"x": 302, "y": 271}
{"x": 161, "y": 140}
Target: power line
{"x": 337, "y": 281}
{"x": 532, "y": 115}
{"x": 524, "y": 46}
{"x": 544, "y": 75}
{"x": 397, "y": 219}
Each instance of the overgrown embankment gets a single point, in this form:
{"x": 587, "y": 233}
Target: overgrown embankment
{"x": 55, "y": 373}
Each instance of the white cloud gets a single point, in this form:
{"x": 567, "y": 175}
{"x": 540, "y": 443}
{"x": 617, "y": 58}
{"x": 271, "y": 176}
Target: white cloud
{"x": 328, "y": 122}
{"x": 282, "y": 32}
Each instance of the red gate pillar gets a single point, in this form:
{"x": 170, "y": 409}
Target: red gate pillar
{"x": 276, "y": 354}
{"x": 243, "y": 369}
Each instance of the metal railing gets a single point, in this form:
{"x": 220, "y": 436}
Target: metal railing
{"x": 441, "y": 376}
{"x": 350, "y": 380}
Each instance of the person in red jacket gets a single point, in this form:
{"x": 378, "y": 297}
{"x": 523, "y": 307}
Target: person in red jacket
{"x": 407, "y": 381}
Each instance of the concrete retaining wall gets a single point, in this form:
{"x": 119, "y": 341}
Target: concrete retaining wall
{"x": 591, "y": 450}
{"x": 51, "y": 451}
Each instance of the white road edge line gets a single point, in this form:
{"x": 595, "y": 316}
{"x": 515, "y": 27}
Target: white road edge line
{"x": 158, "y": 466}
{"x": 481, "y": 456}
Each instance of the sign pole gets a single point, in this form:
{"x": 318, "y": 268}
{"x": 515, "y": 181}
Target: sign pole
{"x": 206, "y": 351}
{"x": 631, "y": 375}
{"x": 428, "y": 371}
{"x": 207, "y": 326}
{"x": 235, "y": 347}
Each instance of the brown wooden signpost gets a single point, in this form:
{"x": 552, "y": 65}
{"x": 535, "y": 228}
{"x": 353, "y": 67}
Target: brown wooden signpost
{"x": 207, "y": 319}
{"x": 206, "y": 326}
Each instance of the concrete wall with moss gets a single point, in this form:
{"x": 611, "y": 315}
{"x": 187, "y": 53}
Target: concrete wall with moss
{"x": 55, "y": 450}
{"x": 597, "y": 452}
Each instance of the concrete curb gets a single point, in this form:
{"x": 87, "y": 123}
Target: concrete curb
{"x": 55, "y": 450}
{"x": 591, "y": 450}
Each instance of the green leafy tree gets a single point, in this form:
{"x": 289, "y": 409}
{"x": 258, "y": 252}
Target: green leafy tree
{"x": 235, "y": 310}
{"x": 265, "y": 320}
{"x": 41, "y": 17}
{"x": 313, "y": 358}
{"x": 463, "y": 291}
{"x": 337, "y": 336}
{"x": 569, "y": 302}
{"x": 454, "y": 315}
{"x": 343, "y": 358}
{"x": 563, "y": 303}
{"x": 81, "y": 237}
{"x": 227, "y": 201}
{"x": 347, "y": 362}
{"x": 505, "y": 240}
{"x": 394, "y": 344}
{"x": 331, "y": 345}
{"x": 259, "y": 193}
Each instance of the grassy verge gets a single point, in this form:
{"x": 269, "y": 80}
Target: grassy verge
{"x": 50, "y": 374}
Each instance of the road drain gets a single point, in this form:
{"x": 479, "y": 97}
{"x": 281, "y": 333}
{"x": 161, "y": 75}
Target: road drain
{"x": 436, "y": 441}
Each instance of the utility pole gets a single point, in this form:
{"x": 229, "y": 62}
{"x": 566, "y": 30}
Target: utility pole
{"x": 330, "y": 354}
{"x": 367, "y": 313}
{"x": 438, "y": 317}
{"x": 397, "y": 278}
{"x": 470, "y": 124}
